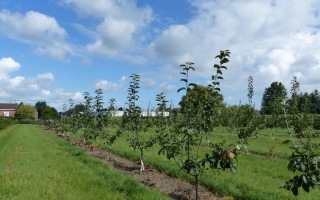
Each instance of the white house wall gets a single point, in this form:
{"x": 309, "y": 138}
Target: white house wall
{"x": 119, "y": 113}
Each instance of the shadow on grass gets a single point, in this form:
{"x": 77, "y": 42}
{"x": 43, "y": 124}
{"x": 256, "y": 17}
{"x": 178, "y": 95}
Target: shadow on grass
{"x": 286, "y": 142}
{"x": 79, "y": 153}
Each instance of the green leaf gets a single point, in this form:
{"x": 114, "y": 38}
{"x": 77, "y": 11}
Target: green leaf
{"x": 294, "y": 191}
{"x": 224, "y": 60}
{"x": 306, "y": 187}
{"x": 314, "y": 178}
{"x": 288, "y": 187}
{"x": 192, "y": 84}
{"x": 304, "y": 178}
{"x": 183, "y": 88}
{"x": 184, "y": 80}
{"x": 303, "y": 167}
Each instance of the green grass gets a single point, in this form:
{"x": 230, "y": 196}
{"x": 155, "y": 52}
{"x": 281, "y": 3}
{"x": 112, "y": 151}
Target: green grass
{"x": 258, "y": 176}
{"x": 37, "y": 165}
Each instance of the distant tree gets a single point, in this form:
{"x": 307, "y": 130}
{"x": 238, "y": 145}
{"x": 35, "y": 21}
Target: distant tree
{"x": 304, "y": 103}
{"x": 55, "y": 112}
{"x": 47, "y": 113}
{"x": 79, "y": 108}
{"x": 40, "y": 105}
{"x": 199, "y": 95}
{"x": 25, "y": 111}
{"x": 272, "y": 98}
{"x": 314, "y": 101}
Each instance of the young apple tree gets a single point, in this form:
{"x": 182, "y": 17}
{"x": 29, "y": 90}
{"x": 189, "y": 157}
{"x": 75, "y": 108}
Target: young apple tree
{"x": 305, "y": 160}
{"x": 134, "y": 123}
{"x": 194, "y": 124}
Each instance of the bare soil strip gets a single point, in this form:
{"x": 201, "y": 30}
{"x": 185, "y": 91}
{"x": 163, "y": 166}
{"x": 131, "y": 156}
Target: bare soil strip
{"x": 172, "y": 187}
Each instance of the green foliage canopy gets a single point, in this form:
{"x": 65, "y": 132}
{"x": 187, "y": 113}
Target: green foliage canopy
{"x": 199, "y": 95}
{"x": 40, "y": 105}
{"x": 272, "y": 98}
{"x": 25, "y": 111}
{"x": 47, "y": 113}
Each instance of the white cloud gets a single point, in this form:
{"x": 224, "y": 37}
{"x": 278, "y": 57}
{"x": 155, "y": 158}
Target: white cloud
{"x": 121, "y": 25}
{"x": 105, "y": 85}
{"x": 22, "y": 87}
{"x": 45, "y": 92}
{"x": 60, "y": 95}
{"x": 36, "y": 29}
{"x": 85, "y": 31}
{"x": 31, "y": 89}
{"x": 277, "y": 67}
{"x": 8, "y": 65}
{"x": 148, "y": 83}
{"x": 16, "y": 81}
{"x": 40, "y": 28}
{"x": 175, "y": 42}
{"x": 167, "y": 88}
{"x": 267, "y": 39}
{"x": 52, "y": 52}
{"x": 45, "y": 76}
{"x": 77, "y": 96}
{"x": 122, "y": 81}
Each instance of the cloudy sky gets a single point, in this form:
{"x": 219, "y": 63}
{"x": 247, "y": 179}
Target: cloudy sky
{"x": 55, "y": 50}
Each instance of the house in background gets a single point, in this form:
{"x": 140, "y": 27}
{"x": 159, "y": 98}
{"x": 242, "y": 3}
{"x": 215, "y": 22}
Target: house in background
{"x": 8, "y": 109}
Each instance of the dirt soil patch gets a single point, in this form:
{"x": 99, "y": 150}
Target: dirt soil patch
{"x": 172, "y": 187}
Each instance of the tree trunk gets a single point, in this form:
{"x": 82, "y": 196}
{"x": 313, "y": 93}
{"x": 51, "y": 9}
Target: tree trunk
{"x": 141, "y": 162}
{"x": 109, "y": 152}
{"x": 197, "y": 187}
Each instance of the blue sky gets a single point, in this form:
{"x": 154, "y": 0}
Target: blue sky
{"x": 55, "y": 50}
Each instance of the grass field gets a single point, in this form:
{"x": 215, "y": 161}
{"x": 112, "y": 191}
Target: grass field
{"x": 38, "y": 165}
{"x": 258, "y": 175}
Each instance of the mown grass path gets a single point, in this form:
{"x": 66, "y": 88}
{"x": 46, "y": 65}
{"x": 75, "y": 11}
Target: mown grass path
{"x": 37, "y": 165}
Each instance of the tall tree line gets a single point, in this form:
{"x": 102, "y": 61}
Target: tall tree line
{"x": 276, "y": 93}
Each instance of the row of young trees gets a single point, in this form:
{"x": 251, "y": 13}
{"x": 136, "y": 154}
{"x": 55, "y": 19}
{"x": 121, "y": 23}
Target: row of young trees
{"x": 184, "y": 137}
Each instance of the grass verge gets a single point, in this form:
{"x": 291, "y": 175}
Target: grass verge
{"x": 37, "y": 165}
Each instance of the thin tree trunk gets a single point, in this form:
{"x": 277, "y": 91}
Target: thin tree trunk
{"x": 109, "y": 152}
{"x": 197, "y": 187}
{"x": 141, "y": 162}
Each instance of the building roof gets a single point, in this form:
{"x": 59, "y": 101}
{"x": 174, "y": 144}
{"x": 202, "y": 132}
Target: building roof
{"x": 8, "y": 106}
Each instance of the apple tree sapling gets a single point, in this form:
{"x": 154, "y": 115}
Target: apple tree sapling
{"x": 134, "y": 123}
{"x": 194, "y": 124}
